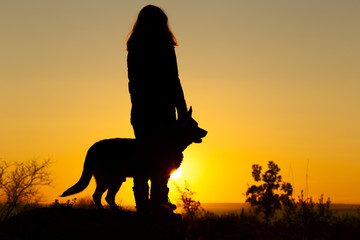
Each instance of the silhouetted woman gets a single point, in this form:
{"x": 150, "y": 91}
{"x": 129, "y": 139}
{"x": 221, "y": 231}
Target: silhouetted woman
{"x": 156, "y": 95}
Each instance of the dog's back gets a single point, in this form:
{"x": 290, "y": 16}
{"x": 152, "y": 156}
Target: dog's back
{"x": 113, "y": 158}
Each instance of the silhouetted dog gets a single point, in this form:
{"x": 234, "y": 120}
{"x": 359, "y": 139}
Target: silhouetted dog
{"x": 112, "y": 160}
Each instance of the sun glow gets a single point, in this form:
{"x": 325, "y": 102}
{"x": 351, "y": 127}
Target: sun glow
{"x": 176, "y": 174}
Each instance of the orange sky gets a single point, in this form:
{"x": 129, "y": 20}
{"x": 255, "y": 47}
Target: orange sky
{"x": 269, "y": 80}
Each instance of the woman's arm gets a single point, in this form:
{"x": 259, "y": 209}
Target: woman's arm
{"x": 179, "y": 97}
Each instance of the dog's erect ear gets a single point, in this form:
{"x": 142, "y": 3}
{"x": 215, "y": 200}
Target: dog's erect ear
{"x": 190, "y": 111}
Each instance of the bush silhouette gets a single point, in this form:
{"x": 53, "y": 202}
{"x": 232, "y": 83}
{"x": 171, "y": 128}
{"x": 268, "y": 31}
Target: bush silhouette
{"x": 264, "y": 197}
{"x": 187, "y": 202}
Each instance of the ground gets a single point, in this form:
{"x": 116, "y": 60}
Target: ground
{"x": 77, "y": 223}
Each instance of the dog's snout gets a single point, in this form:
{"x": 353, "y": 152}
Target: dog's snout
{"x": 203, "y": 132}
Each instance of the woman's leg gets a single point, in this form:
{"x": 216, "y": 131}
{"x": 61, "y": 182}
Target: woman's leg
{"x": 159, "y": 199}
{"x": 141, "y": 194}
{"x": 154, "y": 142}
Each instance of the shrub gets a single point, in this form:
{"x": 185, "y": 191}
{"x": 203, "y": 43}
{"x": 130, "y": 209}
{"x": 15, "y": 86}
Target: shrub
{"x": 191, "y": 207}
{"x": 264, "y": 197}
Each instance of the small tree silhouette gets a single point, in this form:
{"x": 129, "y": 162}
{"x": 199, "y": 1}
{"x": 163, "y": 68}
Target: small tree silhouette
{"x": 20, "y": 182}
{"x": 264, "y": 197}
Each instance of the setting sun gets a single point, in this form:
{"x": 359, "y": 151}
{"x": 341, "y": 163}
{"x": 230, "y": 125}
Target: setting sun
{"x": 176, "y": 174}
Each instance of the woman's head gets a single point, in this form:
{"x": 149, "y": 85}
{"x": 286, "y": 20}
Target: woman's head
{"x": 151, "y": 27}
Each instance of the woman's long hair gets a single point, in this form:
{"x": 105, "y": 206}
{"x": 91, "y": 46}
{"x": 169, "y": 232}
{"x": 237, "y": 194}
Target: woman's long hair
{"x": 151, "y": 28}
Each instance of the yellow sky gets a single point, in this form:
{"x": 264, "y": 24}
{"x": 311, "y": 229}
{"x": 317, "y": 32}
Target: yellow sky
{"x": 269, "y": 80}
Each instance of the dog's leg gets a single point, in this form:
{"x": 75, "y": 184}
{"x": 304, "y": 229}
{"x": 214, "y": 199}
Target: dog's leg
{"x": 110, "y": 197}
{"x": 100, "y": 189}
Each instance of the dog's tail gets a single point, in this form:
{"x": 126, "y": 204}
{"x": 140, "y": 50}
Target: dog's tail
{"x": 85, "y": 177}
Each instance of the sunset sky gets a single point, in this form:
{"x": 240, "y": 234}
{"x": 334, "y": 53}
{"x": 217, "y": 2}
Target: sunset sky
{"x": 268, "y": 79}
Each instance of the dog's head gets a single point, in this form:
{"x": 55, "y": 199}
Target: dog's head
{"x": 187, "y": 132}
{"x": 190, "y": 131}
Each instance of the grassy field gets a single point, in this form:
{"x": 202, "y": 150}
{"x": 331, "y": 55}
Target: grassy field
{"x": 70, "y": 222}
{"x": 225, "y": 208}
